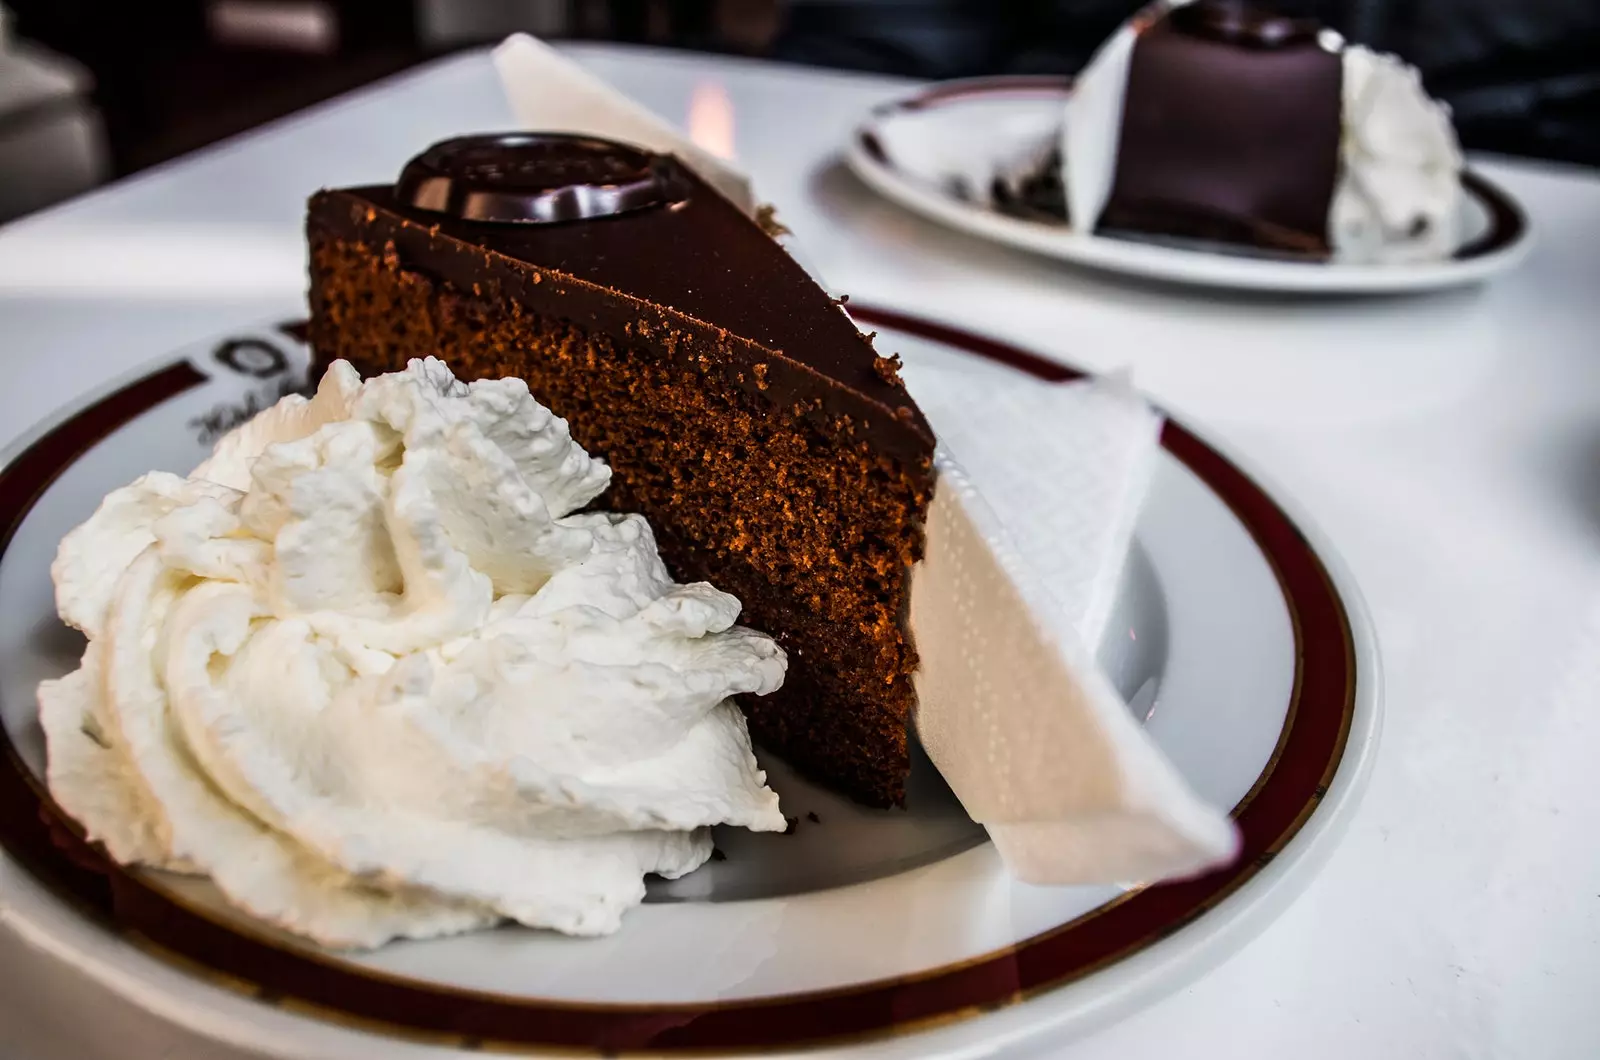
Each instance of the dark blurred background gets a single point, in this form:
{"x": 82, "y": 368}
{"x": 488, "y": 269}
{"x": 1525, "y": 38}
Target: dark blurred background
{"x": 95, "y": 89}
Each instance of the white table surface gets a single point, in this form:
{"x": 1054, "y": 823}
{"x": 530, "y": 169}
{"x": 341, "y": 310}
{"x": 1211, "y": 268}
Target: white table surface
{"x": 1449, "y": 444}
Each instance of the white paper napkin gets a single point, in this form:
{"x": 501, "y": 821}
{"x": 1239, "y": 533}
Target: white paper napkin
{"x": 1027, "y": 538}
{"x": 1016, "y": 584}
{"x": 1095, "y": 443}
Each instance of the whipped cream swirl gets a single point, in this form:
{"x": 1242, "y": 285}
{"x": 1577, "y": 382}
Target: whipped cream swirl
{"x": 1398, "y": 196}
{"x": 370, "y": 670}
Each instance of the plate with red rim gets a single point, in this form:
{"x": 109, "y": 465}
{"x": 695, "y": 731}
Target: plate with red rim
{"x": 1237, "y": 637}
{"x": 935, "y": 150}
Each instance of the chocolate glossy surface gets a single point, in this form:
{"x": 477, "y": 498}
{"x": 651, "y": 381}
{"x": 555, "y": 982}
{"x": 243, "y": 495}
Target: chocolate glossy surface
{"x": 536, "y": 178}
{"x": 1230, "y": 131}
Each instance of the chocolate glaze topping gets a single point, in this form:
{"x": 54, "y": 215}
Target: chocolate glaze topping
{"x": 631, "y": 243}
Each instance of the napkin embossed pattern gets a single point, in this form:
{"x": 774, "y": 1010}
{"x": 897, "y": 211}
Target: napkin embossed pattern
{"x": 1015, "y": 591}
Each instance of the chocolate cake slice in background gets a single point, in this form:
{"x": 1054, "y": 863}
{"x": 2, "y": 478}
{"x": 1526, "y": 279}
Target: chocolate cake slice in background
{"x": 775, "y": 454}
{"x": 1211, "y": 120}
{"x": 1217, "y": 121}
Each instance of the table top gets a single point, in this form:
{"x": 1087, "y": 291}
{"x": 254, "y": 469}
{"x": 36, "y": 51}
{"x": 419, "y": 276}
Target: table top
{"x": 1449, "y": 445}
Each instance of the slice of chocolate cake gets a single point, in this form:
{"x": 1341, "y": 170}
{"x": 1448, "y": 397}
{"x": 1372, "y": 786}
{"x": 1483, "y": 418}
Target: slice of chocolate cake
{"x": 1219, "y": 121}
{"x": 775, "y": 454}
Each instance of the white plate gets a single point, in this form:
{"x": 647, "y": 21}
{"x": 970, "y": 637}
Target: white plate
{"x": 888, "y": 932}
{"x": 936, "y": 150}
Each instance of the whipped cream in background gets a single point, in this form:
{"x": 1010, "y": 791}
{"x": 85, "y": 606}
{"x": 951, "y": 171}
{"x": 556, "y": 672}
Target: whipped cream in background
{"x": 370, "y": 670}
{"x": 1398, "y": 194}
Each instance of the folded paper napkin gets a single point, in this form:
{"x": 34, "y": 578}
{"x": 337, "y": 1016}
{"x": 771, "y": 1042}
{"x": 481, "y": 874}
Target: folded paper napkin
{"x": 1017, "y": 582}
{"x": 1070, "y": 506}
{"x": 1022, "y": 566}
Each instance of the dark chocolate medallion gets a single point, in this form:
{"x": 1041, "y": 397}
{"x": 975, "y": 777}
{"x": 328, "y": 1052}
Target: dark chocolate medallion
{"x": 537, "y": 178}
